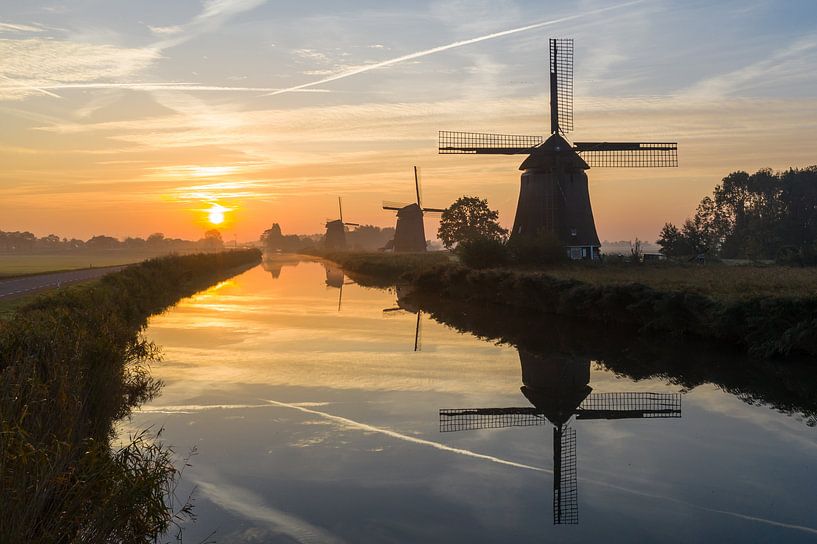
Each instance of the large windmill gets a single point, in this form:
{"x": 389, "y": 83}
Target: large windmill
{"x": 559, "y": 390}
{"x": 554, "y": 197}
{"x": 410, "y": 233}
{"x": 336, "y": 230}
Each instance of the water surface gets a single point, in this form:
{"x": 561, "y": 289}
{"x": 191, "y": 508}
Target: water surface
{"x": 314, "y": 406}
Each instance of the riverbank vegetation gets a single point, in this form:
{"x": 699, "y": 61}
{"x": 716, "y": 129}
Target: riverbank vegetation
{"x": 72, "y": 363}
{"x": 768, "y": 312}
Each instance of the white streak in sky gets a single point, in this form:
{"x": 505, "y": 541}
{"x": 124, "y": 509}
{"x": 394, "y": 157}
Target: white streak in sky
{"x": 411, "y": 56}
{"x": 150, "y": 87}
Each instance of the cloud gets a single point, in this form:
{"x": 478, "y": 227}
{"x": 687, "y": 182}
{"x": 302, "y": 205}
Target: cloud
{"x": 462, "y": 43}
{"x": 30, "y": 64}
{"x": 165, "y": 30}
{"x": 11, "y": 27}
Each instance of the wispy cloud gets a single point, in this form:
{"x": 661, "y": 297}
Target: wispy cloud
{"x": 462, "y": 43}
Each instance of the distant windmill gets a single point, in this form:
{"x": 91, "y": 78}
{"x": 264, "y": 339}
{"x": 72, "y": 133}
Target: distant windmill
{"x": 336, "y": 230}
{"x": 554, "y": 197}
{"x": 558, "y": 388}
{"x": 410, "y": 234}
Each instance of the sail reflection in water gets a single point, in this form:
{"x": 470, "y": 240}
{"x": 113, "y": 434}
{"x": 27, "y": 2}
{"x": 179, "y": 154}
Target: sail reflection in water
{"x": 559, "y": 389}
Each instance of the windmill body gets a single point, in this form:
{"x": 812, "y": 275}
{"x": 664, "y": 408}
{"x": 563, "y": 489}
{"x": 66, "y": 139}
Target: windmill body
{"x": 410, "y": 233}
{"x": 335, "y": 238}
{"x": 554, "y": 199}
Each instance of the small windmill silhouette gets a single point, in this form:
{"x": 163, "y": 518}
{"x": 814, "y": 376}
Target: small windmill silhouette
{"x": 336, "y": 230}
{"x": 410, "y": 234}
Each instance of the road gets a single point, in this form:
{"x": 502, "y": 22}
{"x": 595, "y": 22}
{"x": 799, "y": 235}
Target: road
{"x": 16, "y": 287}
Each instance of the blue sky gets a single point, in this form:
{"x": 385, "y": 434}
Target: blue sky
{"x": 161, "y": 108}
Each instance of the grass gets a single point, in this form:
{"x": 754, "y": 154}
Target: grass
{"x": 720, "y": 282}
{"x": 23, "y": 264}
{"x": 72, "y": 362}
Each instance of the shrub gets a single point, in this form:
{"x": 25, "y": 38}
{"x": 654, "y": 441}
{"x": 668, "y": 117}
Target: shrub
{"x": 537, "y": 250}
{"x": 483, "y": 253}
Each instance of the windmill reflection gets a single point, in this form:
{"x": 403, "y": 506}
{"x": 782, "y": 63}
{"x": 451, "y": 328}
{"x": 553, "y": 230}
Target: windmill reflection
{"x": 337, "y": 279}
{"x": 559, "y": 389}
{"x": 406, "y": 307}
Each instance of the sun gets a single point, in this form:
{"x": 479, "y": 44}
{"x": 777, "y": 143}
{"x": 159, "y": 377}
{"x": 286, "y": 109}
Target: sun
{"x": 216, "y": 214}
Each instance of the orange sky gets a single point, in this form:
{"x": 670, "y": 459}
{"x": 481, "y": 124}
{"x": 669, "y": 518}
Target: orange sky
{"x": 88, "y": 148}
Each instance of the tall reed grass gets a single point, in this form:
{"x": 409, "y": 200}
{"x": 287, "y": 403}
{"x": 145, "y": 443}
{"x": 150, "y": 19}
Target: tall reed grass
{"x": 72, "y": 363}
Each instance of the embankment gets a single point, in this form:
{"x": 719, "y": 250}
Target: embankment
{"x": 765, "y": 326}
{"x": 72, "y": 363}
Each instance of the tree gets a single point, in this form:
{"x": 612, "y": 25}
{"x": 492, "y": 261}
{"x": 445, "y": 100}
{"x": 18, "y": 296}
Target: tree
{"x": 470, "y": 219}
{"x": 672, "y": 242}
{"x": 212, "y": 239}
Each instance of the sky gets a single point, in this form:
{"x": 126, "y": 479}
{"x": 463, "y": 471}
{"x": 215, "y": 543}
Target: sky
{"x": 127, "y": 118}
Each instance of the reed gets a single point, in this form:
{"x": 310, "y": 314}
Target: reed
{"x": 72, "y": 363}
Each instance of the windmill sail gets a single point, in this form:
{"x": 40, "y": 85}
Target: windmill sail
{"x": 565, "y": 477}
{"x": 470, "y": 419}
{"x": 469, "y": 143}
{"x": 628, "y": 154}
{"x": 561, "y": 85}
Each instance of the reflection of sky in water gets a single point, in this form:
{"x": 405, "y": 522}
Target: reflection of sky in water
{"x": 314, "y": 425}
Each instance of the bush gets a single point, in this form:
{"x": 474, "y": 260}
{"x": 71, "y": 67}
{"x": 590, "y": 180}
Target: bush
{"x": 483, "y": 253}
{"x": 537, "y": 250}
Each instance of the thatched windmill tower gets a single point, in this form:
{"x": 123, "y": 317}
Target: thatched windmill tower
{"x": 554, "y": 197}
{"x": 336, "y": 231}
{"x": 558, "y": 387}
{"x": 410, "y": 233}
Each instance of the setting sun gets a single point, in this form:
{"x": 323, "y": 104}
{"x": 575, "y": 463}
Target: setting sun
{"x": 216, "y": 214}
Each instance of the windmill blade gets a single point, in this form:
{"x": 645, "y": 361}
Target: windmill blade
{"x": 340, "y": 209}
{"x": 469, "y": 143}
{"x": 565, "y": 477}
{"x": 352, "y": 224}
{"x": 417, "y": 186}
{"x": 561, "y": 85}
{"x": 434, "y": 210}
{"x": 394, "y": 206}
{"x": 628, "y": 154}
{"x": 630, "y": 406}
{"x": 470, "y": 419}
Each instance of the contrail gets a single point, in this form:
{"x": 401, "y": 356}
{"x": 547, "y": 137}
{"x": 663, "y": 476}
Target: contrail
{"x": 148, "y": 87}
{"x": 441, "y": 48}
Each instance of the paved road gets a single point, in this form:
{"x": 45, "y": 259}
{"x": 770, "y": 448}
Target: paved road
{"x": 16, "y": 287}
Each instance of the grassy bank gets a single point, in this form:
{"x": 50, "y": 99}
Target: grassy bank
{"x": 769, "y": 314}
{"x": 23, "y": 264}
{"x": 71, "y": 364}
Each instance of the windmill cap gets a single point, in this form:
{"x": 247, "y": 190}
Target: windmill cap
{"x": 554, "y": 151}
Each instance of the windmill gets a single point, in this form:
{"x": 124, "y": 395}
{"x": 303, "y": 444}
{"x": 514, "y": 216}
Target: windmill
{"x": 410, "y": 234}
{"x": 336, "y": 230}
{"x": 554, "y": 197}
{"x": 559, "y": 390}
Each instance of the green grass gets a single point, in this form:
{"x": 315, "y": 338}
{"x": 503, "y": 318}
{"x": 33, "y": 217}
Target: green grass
{"x": 720, "y": 282}
{"x": 22, "y": 264}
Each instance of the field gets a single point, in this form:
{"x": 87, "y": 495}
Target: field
{"x": 21, "y": 264}
{"x": 721, "y": 282}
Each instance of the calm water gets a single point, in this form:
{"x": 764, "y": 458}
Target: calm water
{"x": 315, "y": 420}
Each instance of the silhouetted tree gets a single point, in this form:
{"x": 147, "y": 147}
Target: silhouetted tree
{"x": 212, "y": 239}
{"x": 470, "y": 219}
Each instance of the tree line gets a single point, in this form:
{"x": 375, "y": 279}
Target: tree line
{"x": 21, "y": 242}
{"x": 765, "y": 215}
